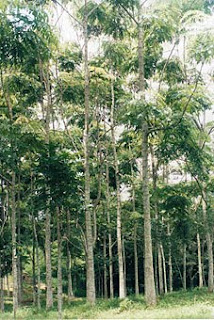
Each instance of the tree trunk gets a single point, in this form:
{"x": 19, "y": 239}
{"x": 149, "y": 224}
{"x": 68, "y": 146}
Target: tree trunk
{"x": 135, "y": 236}
{"x": 209, "y": 243}
{"x": 122, "y": 290}
{"x": 70, "y": 285}
{"x": 1, "y": 287}
{"x": 90, "y": 277}
{"x": 164, "y": 269}
{"x": 160, "y": 270}
{"x": 19, "y": 269}
{"x": 149, "y": 281}
{"x": 49, "y": 290}
{"x": 105, "y": 268}
{"x": 36, "y": 248}
{"x": 200, "y": 274}
{"x": 136, "y": 261}
{"x": 170, "y": 261}
{"x": 34, "y": 274}
{"x": 124, "y": 264}
{"x": 14, "y": 253}
{"x": 111, "y": 284}
{"x": 59, "y": 269}
{"x": 184, "y": 266}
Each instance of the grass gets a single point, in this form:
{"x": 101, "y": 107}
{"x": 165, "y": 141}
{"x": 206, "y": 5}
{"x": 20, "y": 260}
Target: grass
{"x": 196, "y": 304}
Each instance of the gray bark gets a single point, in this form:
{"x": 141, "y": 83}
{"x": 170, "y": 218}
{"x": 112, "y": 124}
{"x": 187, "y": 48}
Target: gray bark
{"x": 184, "y": 266}
{"x": 70, "y": 284}
{"x": 59, "y": 269}
{"x": 200, "y": 274}
{"x": 122, "y": 291}
{"x": 90, "y": 280}
{"x": 149, "y": 282}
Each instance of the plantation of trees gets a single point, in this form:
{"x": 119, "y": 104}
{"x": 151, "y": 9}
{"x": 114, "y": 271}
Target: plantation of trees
{"x": 106, "y": 158}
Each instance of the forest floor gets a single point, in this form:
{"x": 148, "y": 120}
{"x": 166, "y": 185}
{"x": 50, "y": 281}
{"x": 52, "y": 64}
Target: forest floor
{"x": 196, "y": 304}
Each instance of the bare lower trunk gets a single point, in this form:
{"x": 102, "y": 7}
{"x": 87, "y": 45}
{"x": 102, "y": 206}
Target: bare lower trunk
{"x": 8, "y": 285}
{"x": 209, "y": 243}
{"x": 136, "y": 261}
{"x": 59, "y": 269}
{"x": 105, "y": 268}
{"x": 70, "y": 284}
{"x": 184, "y": 266}
{"x": 149, "y": 281}
{"x": 122, "y": 291}
{"x": 1, "y": 287}
{"x": 160, "y": 270}
{"x": 90, "y": 277}
{"x": 170, "y": 260}
{"x": 14, "y": 253}
{"x": 124, "y": 264}
{"x": 34, "y": 274}
{"x": 111, "y": 284}
{"x": 49, "y": 293}
{"x": 164, "y": 268}
{"x": 200, "y": 274}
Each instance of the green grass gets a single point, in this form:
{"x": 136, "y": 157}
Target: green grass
{"x": 196, "y": 304}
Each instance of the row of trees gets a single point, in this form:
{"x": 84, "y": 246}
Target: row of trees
{"x": 78, "y": 129}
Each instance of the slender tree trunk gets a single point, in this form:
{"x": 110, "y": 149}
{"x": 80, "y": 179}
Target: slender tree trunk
{"x": 90, "y": 277}
{"x": 124, "y": 264}
{"x": 34, "y": 274}
{"x": 111, "y": 284}
{"x": 122, "y": 290}
{"x": 156, "y": 270}
{"x": 164, "y": 269}
{"x": 105, "y": 268}
{"x": 59, "y": 269}
{"x": 49, "y": 290}
{"x": 160, "y": 270}
{"x": 1, "y": 287}
{"x": 36, "y": 248}
{"x": 136, "y": 261}
{"x": 19, "y": 269}
{"x": 209, "y": 243}
{"x": 184, "y": 266}
{"x": 200, "y": 274}
{"x": 170, "y": 260}
{"x": 70, "y": 284}
{"x": 14, "y": 251}
{"x": 135, "y": 236}
{"x": 8, "y": 285}
{"x": 149, "y": 281}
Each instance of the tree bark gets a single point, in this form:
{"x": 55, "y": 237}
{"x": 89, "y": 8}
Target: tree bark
{"x": 209, "y": 242}
{"x": 14, "y": 250}
{"x": 70, "y": 284}
{"x": 200, "y": 274}
{"x": 164, "y": 269}
{"x": 136, "y": 261}
{"x": 170, "y": 260}
{"x": 59, "y": 269}
{"x": 34, "y": 274}
{"x": 90, "y": 277}
{"x": 49, "y": 290}
{"x": 1, "y": 287}
{"x": 160, "y": 270}
{"x": 149, "y": 282}
{"x": 111, "y": 284}
{"x": 122, "y": 291}
{"x": 184, "y": 266}
{"x": 105, "y": 268}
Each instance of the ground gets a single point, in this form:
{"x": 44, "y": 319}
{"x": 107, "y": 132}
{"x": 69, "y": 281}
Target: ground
{"x": 196, "y": 304}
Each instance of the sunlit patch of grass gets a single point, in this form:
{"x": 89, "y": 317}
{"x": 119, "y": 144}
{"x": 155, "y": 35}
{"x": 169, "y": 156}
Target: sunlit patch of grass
{"x": 195, "y": 304}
